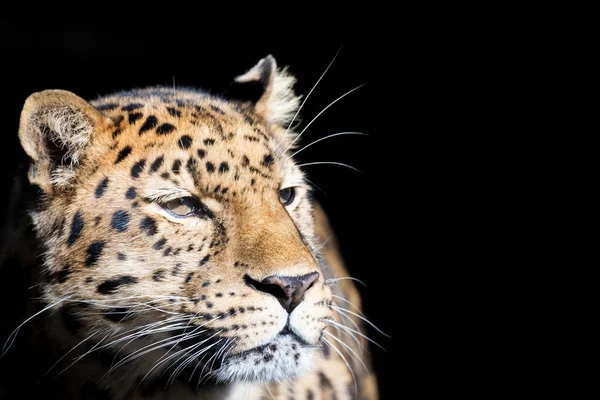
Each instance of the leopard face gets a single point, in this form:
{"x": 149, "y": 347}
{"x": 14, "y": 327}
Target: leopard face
{"x": 177, "y": 230}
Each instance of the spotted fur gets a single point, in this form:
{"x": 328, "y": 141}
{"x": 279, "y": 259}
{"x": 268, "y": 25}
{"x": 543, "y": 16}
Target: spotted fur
{"x": 238, "y": 290}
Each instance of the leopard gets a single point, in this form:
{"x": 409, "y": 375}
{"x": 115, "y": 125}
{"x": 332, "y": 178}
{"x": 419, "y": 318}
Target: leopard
{"x": 167, "y": 245}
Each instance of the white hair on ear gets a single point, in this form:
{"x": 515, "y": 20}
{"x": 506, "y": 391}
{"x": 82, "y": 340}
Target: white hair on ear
{"x": 283, "y": 102}
{"x": 68, "y": 129}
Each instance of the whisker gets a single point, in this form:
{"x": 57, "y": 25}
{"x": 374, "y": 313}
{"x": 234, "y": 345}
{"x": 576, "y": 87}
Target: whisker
{"x": 327, "y": 137}
{"x": 319, "y": 114}
{"x": 347, "y": 364}
{"x": 347, "y": 301}
{"x": 358, "y": 333}
{"x": 14, "y": 333}
{"x": 345, "y": 317}
{"x": 349, "y": 349}
{"x": 311, "y": 90}
{"x": 346, "y": 277}
{"x": 67, "y": 353}
{"x": 83, "y": 355}
{"x": 329, "y": 163}
{"x": 341, "y": 309}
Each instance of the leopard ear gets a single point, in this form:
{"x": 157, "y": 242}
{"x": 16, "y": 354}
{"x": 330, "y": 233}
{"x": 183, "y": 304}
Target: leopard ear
{"x": 55, "y": 129}
{"x": 269, "y": 90}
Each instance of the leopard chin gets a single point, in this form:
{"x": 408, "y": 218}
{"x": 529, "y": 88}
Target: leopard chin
{"x": 283, "y": 358}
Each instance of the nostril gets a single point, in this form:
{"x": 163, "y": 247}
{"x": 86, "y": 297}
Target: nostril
{"x": 272, "y": 289}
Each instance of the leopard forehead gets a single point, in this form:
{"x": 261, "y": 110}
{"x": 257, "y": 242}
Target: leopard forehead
{"x": 165, "y": 132}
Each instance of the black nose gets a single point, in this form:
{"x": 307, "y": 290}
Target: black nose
{"x": 289, "y": 290}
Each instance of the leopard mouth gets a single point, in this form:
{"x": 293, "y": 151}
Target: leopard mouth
{"x": 284, "y": 357}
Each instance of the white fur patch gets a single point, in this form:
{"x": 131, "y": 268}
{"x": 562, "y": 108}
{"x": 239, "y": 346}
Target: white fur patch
{"x": 283, "y": 102}
{"x": 282, "y": 359}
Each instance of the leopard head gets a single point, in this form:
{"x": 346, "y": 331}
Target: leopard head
{"x": 177, "y": 229}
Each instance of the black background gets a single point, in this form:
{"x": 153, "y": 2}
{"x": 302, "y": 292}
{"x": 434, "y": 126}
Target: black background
{"x": 363, "y": 207}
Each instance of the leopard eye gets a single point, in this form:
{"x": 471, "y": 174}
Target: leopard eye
{"x": 184, "y": 207}
{"x": 286, "y": 196}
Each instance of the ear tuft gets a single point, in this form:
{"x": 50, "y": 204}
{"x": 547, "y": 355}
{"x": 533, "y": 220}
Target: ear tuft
{"x": 55, "y": 129}
{"x": 269, "y": 90}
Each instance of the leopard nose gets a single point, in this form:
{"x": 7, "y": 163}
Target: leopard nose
{"x": 289, "y": 290}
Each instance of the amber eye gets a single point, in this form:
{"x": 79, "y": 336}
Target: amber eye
{"x": 186, "y": 207}
{"x": 287, "y": 196}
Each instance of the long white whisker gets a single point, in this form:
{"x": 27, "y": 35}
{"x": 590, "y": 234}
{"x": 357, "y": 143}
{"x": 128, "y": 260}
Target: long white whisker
{"x": 69, "y": 352}
{"x": 330, "y": 163}
{"x": 85, "y": 354}
{"x": 311, "y": 90}
{"x": 327, "y": 137}
{"x": 346, "y": 277}
{"x": 319, "y": 114}
{"x": 343, "y": 310}
{"x": 14, "y": 333}
{"x": 347, "y": 363}
{"x": 345, "y": 317}
{"x": 349, "y": 349}
{"x": 357, "y": 332}
{"x": 347, "y": 301}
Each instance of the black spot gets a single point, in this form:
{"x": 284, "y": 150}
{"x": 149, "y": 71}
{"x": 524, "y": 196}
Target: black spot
{"x": 130, "y": 193}
{"x": 117, "y": 132}
{"x": 76, "y": 228}
{"x": 201, "y": 153}
{"x": 176, "y": 269}
{"x": 107, "y": 107}
{"x": 160, "y": 244}
{"x": 176, "y": 167}
{"x": 245, "y": 161}
{"x": 149, "y": 124}
{"x": 159, "y": 275}
{"x": 205, "y": 284}
{"x": 120, "y": 220}
{"x": 203, "y": 297}
{"x": 209, "y": 142}
{"x": 134, "y": 117}
{"x": 101, "y": 188}
{"x": 89, "y": 279}
{"x": 174, "y": 112}
{"x": 121, "y": 256}
{"x": 118, "y": 314}
{"x": 224, "y": 190}
{"x": 157, "y": 164}
{"x": 231, "y": 311}
{"x": 149, "y": 226}
{"x": 206, "y": 317}
{"x": 204, "y": 260}
{"x": 110, "y": 286}
{"x": 217, "y": 109}
{"x": 165, "y": 175}
{"x": 94, "y": 252}
{"x": 224, "y": 167}
{"x": 167, "y": 251}
{"x": 123, "y": 153}
{"x": 209, "y": 304}
{"x": 72, "y": 323}
{"x": 132, "y": 106}
{"x": 297, "y": 356}
{"x": 309, "y": 395}
{"x": 252, "y": 182}
{"x": 185, "y": 142}
{"x": 324, "y": 382}
{"x": 97, "y": 220}
{"x": 268, "y": 160}
{"x": 219, "y": 294}
{"x": 267, "y": 357}
{"x": 210, "y": 167}
{"x": 249, "y": 119}
{"x": 137, "y": 168}
{"x": 190, "y": 247}
{"x": 221, "y": 315}
{"x": 165, "y": 128}
{"x": 189, "y": 277}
